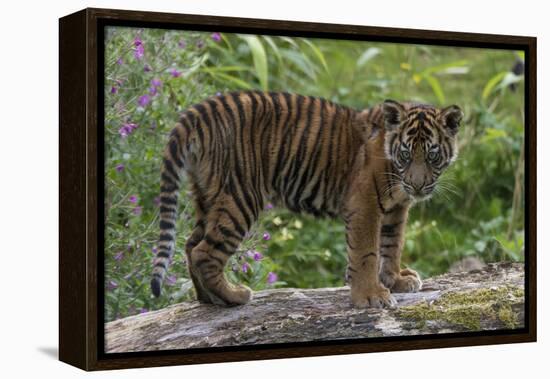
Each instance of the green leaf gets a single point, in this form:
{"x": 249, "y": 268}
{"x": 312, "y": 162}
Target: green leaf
{"x": 510, "y": 247}
{"x": 290, "y": 41}
{"x": 196, "y": 64}
{"x": 491, "y": 84}
{"x": 301, "y": 61}
{"x": 317, "y": 53}
{"x": 260, "y": 59}
{"x": 370, "y": 53}
{"x": 508, "y": 79}
{"x": 227, "y": 42}
{"x": 445, "y": 66}
{"x": 225, "y": 68}
{"x": 274, "y": 47}
{"x": 230, "y": 78}
{"x": 456, "y": 70}
{"x": 436, "y": 88}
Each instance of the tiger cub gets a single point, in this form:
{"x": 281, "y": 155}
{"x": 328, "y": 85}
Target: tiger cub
{"x": 244, "y": 149}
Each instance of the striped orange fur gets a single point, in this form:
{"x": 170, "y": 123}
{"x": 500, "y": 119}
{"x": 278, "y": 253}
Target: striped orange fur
{"x": 242, "y": 150}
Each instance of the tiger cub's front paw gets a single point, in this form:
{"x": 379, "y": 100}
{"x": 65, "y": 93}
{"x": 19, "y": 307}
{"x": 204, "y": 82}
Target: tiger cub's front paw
{"x": 406, "y": 280}
{"x": 377, "y": 297}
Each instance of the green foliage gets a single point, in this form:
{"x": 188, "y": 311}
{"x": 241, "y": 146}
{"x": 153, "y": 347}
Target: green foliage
{"x": 259, "y": 59}
{"x": 151, "y": 75}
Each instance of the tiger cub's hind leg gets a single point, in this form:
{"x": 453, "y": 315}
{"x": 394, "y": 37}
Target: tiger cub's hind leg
{"x": 208, "y": 258}
{"x": 196, "y": 236}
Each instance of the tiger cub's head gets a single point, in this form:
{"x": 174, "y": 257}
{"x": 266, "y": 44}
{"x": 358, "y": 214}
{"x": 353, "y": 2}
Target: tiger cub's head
{"x": 421, "y": 142}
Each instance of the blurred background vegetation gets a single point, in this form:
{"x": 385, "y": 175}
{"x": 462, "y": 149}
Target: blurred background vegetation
{"x": 152, "y": 75}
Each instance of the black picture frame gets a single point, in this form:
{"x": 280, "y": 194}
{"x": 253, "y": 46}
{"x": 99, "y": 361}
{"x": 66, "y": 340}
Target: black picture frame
{"x": 81, "y": 186}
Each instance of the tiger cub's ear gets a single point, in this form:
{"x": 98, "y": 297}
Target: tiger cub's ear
{"x": 450, "y": 118}
{"x": 394, "y": 113}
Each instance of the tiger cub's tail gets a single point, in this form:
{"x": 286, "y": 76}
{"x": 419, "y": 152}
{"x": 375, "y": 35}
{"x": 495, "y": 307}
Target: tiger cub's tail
{"x": 171, "y": 172}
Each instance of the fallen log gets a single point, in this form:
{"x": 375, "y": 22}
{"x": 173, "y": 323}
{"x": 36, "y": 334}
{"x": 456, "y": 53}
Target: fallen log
{"x": 482, "y": 299}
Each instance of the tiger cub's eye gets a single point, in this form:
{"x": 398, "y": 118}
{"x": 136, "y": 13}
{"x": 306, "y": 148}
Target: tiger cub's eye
{"x": 405, "y": 155}
{"x": 433, "y": 155}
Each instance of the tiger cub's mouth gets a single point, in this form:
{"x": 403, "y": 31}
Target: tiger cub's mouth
{"x": 421, "y": 193}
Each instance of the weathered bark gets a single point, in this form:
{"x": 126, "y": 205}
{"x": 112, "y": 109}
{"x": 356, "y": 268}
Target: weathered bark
{"x": 486, "y": 299}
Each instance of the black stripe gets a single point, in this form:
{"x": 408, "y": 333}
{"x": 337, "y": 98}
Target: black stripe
{"x": 168, "y": 166}
{"x": 204, "y": 121}
{"x": 228, "y": 232}
{"x": 164, "y": 209}
{"x": 331, "y": 191}
{"x": 350, "y": 246}
{"x": 321, "y": 185}
{"x": 297, "y": 161}
{"x": 302, "y": 150}
{"x": 285, "y": 141}
{"x": 334, "y": 127}
{"x": 184, "y": 123}
{"x": 175, "y": 132}
{"x": 426, "y": 130}
{"x": 232, "y": 245}
{"x": 218, "y": 260}
{"x": 237, "y": 171}
{"x": 392, "y": 141}
{"x": 220, "y": 152}
{"x": 166, "y": 224}
{"x": 238, "y": 179}
{"x": 245, "y": 160}
{"x": 163, "y": 254}
{"x": 390, "y": 228}
{"x": 174, "y": 152}
{"x": 192, "y": 119}
{"x": 201, "y": 262}
{"x": 450, "y": 148}
{"x": 253, "y": 129}
{"x": 167, "y": 183}
{"x": 204, "y": 115}
{"x": 308, "y": 202}
{"x": 239, "y": 204}
{"x": 170, "y": 200}
{"x": 390, "y": 178}
{"x": 264, "y": 125}
{"x": 218, "y": 245}
{"x": 166, "y": 237}
{"x": 235, "y": 222}
{"x": 367, "y": 256}
{"x": 312, "y": 164}
{"x": 380, "y": 206}
{"x": 273, "y": 127}
{"x": 284, "y": 175}
{"x": 191, "y": 243}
